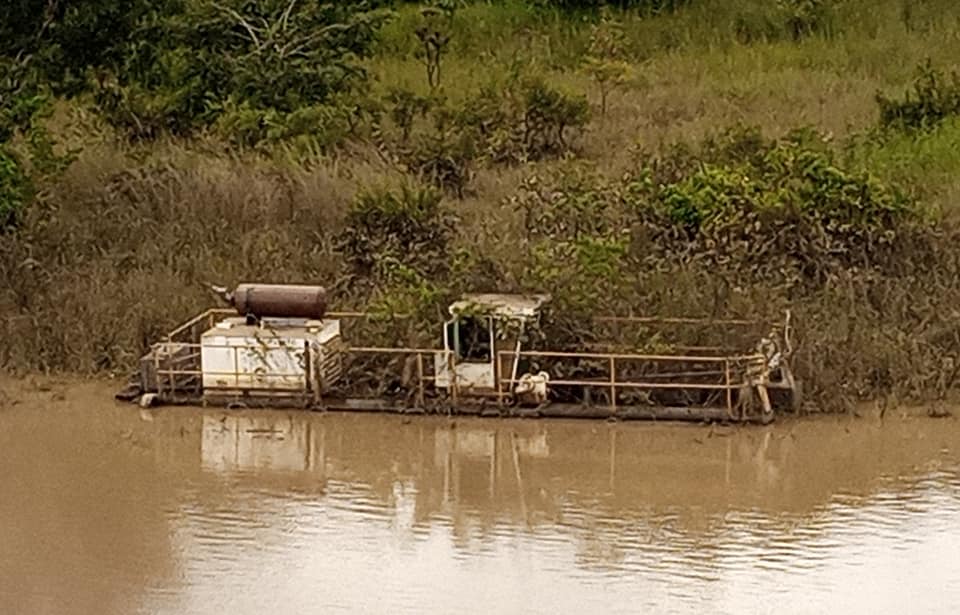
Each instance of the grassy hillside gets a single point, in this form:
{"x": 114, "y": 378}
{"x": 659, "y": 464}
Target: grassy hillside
{"x": 685, "y": 194}
{"x": 706, "y": 67}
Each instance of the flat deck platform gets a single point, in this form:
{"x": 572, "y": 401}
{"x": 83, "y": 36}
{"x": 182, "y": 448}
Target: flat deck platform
{"x": 711, "y": 414}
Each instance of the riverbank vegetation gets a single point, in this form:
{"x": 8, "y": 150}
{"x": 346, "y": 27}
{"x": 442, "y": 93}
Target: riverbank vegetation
{"x": 684, "y": 157}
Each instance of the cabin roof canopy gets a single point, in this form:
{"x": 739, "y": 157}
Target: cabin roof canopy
{"x": 511, "y": 306}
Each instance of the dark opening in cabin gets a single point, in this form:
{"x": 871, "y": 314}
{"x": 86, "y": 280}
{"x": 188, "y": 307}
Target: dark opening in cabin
{"x": 473, "y": 339}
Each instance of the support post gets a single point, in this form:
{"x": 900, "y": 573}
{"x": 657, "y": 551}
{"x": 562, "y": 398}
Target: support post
{"x": 498, "y": 376}
{"x": 420, "y": 396}
{"x": 613, "y": 384}
{"x": 729, "y": 393}
{"x": 156, "y": 371}
{"x": 764, "y": 398}
{"x": 454, "y": 385}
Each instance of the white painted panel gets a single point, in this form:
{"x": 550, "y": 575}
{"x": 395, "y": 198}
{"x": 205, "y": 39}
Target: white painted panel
{"x": 218, "y": 364}
{"x": 469, "y": 375}
{"x": 239, "y": 356}
{"x": 475, "y": 375}
{"x": 253, "y": 363}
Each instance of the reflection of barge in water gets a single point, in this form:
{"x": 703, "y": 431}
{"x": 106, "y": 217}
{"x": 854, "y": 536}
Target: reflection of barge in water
{"x": 279, "y": 347}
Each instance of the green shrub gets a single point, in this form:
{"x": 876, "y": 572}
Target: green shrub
{"x": 185, "y": 68}
{"x": 527, "y": 120}
{"x": 404, "y": 107}
{"x": 605, "y": 60}
{"x": 14, "y": 191}
{"x": 780, "y": 210}
{"x": 323, "y": 126}
{"x": 520, "y": 121}
{"x": 443, "y": 159}
{"x": 574, "y": 205}
{"x": 933, "y": 97}
{"x": 409, "y": 228}
{"x": 27, "y": 154}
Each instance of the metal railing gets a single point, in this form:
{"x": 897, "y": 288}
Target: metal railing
{"x": 180, "y": 373}
{"x": 424, "y": 377}
{"x": 729, "y": 373}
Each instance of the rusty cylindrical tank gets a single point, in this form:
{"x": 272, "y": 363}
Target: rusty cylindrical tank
{"x": 277, "y": 300}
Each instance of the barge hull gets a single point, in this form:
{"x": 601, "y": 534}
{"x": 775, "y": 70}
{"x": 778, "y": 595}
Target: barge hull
{"x": 699, "y": 414}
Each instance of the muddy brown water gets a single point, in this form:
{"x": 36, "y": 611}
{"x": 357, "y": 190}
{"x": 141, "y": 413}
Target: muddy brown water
{"x": 105, "y": 508}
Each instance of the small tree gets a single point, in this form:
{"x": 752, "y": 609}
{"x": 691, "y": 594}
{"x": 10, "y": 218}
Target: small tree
{"x": 434, "y": 35}
{"x": 27, "y": 155}
{"x": 806, "y": 17}
{"x": 605, "y": 59}
{"x": 404, "y": 107}
{"x": 933, "y": 97}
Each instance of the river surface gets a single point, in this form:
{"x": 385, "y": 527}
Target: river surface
{"x": 106, "y": 508}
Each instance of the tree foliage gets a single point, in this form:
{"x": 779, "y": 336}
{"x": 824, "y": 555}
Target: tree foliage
{"x": 65, "y": 39}
{"x": 186, "y": 69}
{"x": 605, "y": 61}
{"x": 26, "y": 150}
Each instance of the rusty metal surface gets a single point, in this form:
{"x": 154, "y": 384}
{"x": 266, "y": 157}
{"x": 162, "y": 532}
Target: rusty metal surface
{"x": 278, "y": 300}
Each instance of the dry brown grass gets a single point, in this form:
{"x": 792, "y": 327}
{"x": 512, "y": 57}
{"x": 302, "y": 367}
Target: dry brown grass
{"x": 124, "y": 249}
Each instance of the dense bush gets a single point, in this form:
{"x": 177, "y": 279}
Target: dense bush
{"x": 745, "y": 222}
{"x": 27, "y": 156}
{"x": 410, "y": 228}
{"x": 782, "y": 211}
{"x": 175, "y": 66}
{"x": 933, "y": 97}
{"x": 253, "y": 63}
{"x": 522, "y": 120}
{"x": 444, "y": 159}
{"x": 747, "y": 174}
{"x": 519, "y": 121}
{"x": 65, "y": 39}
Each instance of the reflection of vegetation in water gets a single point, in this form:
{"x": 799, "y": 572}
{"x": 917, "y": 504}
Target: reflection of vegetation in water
{"x": 228, "y": 141}
{"x": 604, "y": 485}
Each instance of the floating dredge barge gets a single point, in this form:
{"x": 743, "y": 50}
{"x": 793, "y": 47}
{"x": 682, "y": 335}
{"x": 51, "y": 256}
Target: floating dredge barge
{"x": 278, "y": 347}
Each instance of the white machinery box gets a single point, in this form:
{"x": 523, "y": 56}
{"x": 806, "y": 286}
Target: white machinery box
{"x": 283, "y": 355}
